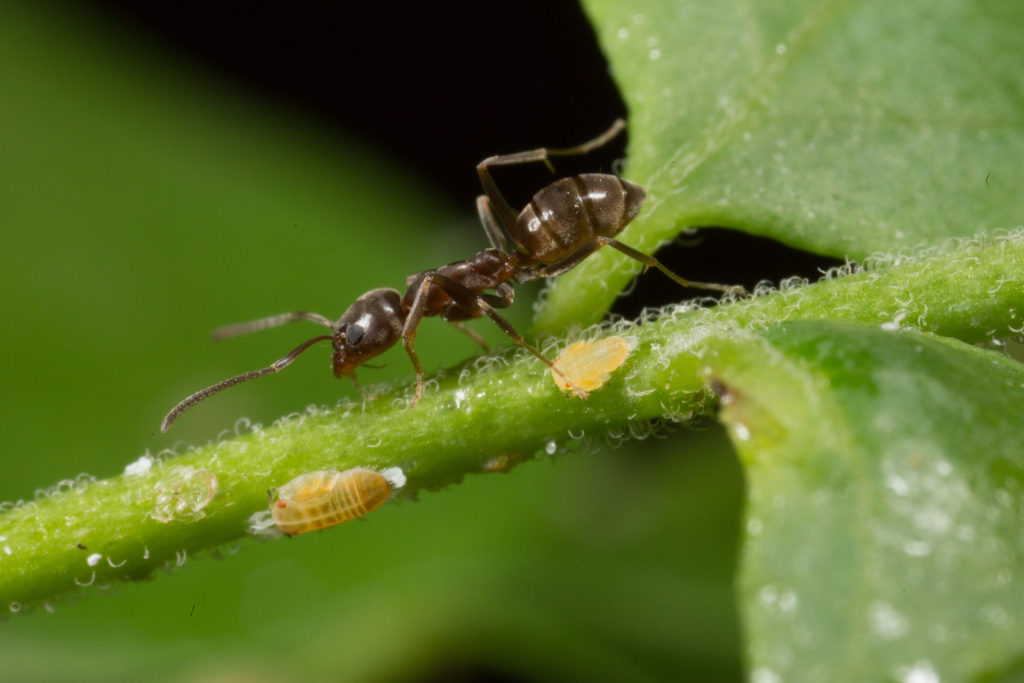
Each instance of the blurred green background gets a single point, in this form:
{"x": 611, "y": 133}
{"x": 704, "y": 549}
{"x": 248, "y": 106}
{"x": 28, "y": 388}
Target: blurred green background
{"x": 144, "y": 201}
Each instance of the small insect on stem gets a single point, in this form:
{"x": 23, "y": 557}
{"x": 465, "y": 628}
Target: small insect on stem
{"x": 563, "y": 224}
{"x": 589, "y": 363}
{"x": 322, "y": 499}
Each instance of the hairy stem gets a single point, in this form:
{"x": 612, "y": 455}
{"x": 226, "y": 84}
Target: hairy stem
{"x": 484, "y": 416}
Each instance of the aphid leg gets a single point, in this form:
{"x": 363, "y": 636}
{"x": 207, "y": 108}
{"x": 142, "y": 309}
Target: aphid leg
{"x": 277, "y": 366}
{"x": 506, "y": 215}
{"x": 236, "y": 329}
{"x": 650, "y": 261}
{"x": 472, "y": 334}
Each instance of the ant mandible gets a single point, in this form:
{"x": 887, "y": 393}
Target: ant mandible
{"x": 563, "y": 224}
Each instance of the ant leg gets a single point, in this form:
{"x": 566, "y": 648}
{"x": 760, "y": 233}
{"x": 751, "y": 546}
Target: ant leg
{"x": 276, "y": 366}
{"x": 491, "y": 223}
{"x": 563, "y": 266}
{"x": 556, "y": 269}
{"x": 505, "y": 213}
{"x": 236, "y": 329}
{"x": 472, "y": 334}
{"x": 507, "y": 328}
{"x": 650, "y": 261}
{"x": 462, "y": 296}
{"x": 503, "y": 297}
{"x": 468, "y": 299}
{"x": 412, "y": 323}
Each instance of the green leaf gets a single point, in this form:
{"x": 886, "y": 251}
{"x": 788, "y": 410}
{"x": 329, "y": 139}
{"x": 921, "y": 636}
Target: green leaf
{"x": 843, "y": 128}
{"x": 885, "y": 522}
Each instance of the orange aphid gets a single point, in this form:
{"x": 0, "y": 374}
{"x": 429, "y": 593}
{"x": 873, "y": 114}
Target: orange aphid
{"x": 589, "y": 363}
{"x": 317, "y": 500}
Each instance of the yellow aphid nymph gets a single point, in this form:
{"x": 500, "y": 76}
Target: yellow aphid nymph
{"x": 589, "y": 363}
{"x": 321, "y": 499}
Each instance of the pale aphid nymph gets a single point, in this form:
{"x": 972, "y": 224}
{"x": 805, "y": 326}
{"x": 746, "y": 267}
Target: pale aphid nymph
{"x": 321, "y": 499}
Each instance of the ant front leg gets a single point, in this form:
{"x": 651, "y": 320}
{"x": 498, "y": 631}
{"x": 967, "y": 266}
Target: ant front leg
{"x": 467, "y": 299}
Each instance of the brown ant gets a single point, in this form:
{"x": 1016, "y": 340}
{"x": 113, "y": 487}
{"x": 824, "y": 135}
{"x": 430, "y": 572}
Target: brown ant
{"x": 563, "y": 224}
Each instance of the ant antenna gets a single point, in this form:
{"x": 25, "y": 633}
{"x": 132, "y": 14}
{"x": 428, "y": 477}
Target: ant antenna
{"x": 277, "y": 366}
{"x": 236, "y": 329}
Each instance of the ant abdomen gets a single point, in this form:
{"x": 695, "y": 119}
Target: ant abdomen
{"x": 571, "y": 212}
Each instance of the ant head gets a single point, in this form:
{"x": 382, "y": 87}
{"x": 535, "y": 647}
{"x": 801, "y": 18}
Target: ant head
{"x": 370, "y": 326}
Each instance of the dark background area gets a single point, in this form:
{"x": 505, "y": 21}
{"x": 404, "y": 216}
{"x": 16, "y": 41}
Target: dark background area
{"x": 439, "y": 86}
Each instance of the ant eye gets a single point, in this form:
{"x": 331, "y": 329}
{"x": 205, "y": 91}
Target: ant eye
{"x": 354, "y": 334}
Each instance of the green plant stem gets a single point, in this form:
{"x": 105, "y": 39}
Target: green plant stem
{"x": 481, "y": 417}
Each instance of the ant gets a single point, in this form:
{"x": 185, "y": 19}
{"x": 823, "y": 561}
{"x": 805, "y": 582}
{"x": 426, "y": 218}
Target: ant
{"x": 563, "y": 224}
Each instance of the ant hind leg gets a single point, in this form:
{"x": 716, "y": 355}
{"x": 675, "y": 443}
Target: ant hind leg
{"x": 491, "y": 223}
{"x": 651, "y": 262}
{"x": 506, "y": 215}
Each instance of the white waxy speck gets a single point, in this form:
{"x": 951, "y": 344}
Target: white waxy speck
{"x": 395, "y": 477}
{"x": 741, "y": 431}
{"x": 550, "y": 447}
{"x": 93, "y": 559}
{"x": 7, "y": 550}
{"x": 460, "y": 396}
{"x": 140, "y": 466}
